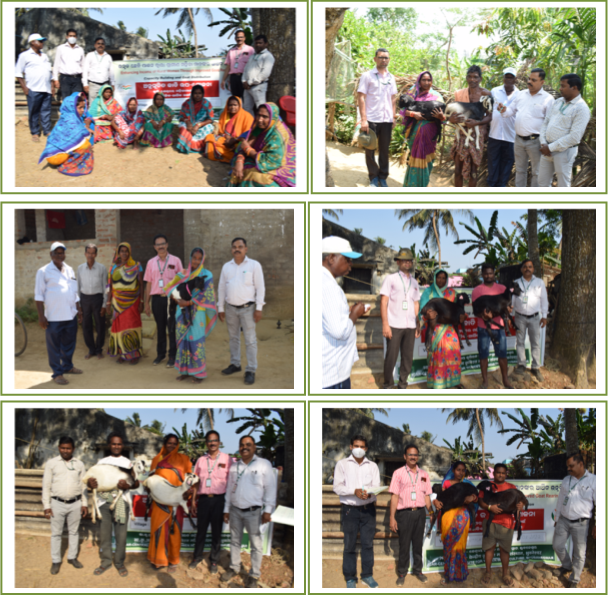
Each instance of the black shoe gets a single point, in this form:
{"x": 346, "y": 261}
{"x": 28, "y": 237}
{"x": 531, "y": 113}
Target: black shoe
{"x": 401, "y": 580}
{"x": 55, "y": 568}
{"x": 76, "y": 563}
{"x": 170, "y": 363}
{"x": 573, "y": 584}
{"x": 158, "y": 360}
{"x": 561, "y": 571}
{"x": 520, "y": 370}
{"x": 249, "y": 378}
{"x": 194, "y": 563}
{"x": 228, "y": 575}
{"x": 421, "y": 577}
{"x": 213, "y": 568}
{"x": 251, "y": 582}
{"x": 231, "y": 369}
{"x": 539, "y": 377}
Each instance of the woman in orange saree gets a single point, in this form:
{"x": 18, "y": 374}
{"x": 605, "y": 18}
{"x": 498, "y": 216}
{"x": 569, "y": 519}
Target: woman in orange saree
{"x": 234, "y": 121}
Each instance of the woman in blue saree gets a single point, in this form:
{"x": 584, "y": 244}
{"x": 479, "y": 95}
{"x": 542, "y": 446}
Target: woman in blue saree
{"x": 195, "y": 122}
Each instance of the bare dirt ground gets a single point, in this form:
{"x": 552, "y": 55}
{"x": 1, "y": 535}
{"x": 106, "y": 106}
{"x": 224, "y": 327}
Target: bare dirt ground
{"x": 145, "y": 167}
{"x": 33, "y": 564}
{"x": 275, "y": 364}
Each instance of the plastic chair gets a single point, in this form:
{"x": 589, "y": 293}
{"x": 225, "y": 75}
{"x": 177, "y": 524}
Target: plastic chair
{"x": 288, "y": 104}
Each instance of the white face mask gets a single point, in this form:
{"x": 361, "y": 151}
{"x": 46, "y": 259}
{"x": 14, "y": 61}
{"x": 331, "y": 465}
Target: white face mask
{"x": 358, "y": 452}
{"x": 72, "y": 40}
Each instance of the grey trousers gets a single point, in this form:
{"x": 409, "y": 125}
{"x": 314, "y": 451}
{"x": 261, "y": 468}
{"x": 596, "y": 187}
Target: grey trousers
{"x": 533, "y": 328}
{"x": 559, "y": 163}
{"x": 578, "y": 532}
{"x": 237, "y": 319}
{"x": 93, "y": 90}
{"x": 61, "y": 513}
{"x": 402, "y": 341}
{"x": 254, "y": 97}
{"x": 105, "y": 539}
{"x": 250, "y": 520}
{"x": 526, "y": 151}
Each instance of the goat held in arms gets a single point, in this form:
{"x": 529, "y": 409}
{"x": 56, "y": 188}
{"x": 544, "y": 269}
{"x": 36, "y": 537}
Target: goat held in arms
{"x": 507, "y": 500}
{"x": 441, "y": 311}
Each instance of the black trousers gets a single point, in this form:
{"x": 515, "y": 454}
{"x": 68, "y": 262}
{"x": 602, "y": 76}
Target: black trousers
{"x": 69, "y": 84}
{"x": 236, "y": 85}
{"x": 91, "y": 305}
{"x": 384, "y": 131}
{"x": 210, "y": 510}
{"x": 402, "y": 340}
{"x": 411, "y": 526}
{"x": 362, "y": 521}
{"x": 164, "y": 323}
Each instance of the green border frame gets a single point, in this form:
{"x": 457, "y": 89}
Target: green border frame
{"x": 379, "y": 204}
{"x": 129, "y": 591}
{"x": 306, "y": 56}
{"x": 458, "y": 401}
{"x": 201, "y": 205}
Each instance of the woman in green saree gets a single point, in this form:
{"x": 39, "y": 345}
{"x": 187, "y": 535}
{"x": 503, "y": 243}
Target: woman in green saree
{"x": 159, "y": 124}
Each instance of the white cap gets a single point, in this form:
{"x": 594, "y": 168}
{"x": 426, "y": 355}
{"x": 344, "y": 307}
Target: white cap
{"x": 35, "y": 37}
{"x": 336, "y": 245}
{"x": 510, "y": 70}
{"x": 57, "y": 245}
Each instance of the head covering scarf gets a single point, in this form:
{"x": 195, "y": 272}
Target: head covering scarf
{"x": 451, "y": 476}
{"x": 70, "y": 131}
{"x": 156, "y": 113}
{"x": 434, "y": 291}
{"x": 196, "y": 111}
{"x": 99, "y": 107}
{"x": 417, "y": 95}
{"x": 171, "y": 465}
{"x": 236, "y": 125}
{"x": 133, "y": 118}
{"x": 117, "y": 262}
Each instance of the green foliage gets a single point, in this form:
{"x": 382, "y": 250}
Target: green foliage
{"x": 402, "y": 18}
{"x": 358, "y": 231}
{"x": 186, "y": 16}
{"x": 380, "y": 240}
{"x": 121, "y": 26}
{"x": 28, "y": 312}
{"x": 258, "y": 418}
{"x": 333, "y": 213}
{"x": 482, "y": 239}
{"x": 156, "y": 426}
{"x": 192, "y": 443}
{"x": 135, "y": 421}
{"x": 142, "y": 32}
{"x": 427, "y": 436}
{"x": 238, "y": 18}
{"x": 369, "y": 412}
{"x": 178, "y": 46}
{"x": 406, "y": 429}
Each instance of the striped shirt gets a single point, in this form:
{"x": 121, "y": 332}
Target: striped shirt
{"x": 349, "y": 476}
{"x": 170, "y": 267}
{"x": 565, "y": 124}
{"x": 339, "y": 338}
{"x": 404, "y": 484}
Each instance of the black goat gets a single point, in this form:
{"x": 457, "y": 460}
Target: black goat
{"x": 507, "y": 500}
{"x": 447, "y": 313}
{"x": 452, "y": 498}
{"x": 473, "y": 111}
{"x": 425, "y": 108}
{"x": 497, "y": 305}
{"x": 184, "y": 292}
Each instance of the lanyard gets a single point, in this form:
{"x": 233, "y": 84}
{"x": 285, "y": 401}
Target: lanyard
{"x": 523, "y": 283}
{"x": 210, "y": 471}
{"x": 72, "y": 469}
{"x": 408, "y": 286}
{"x": 573, "y": 487}
{"x": 408, "y": 473}
{"x": 388, "y": 82}
{"x": 166, "y": 263}
{"x": 238, "y": 476}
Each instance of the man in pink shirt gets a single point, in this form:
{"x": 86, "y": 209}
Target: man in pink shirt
{"x": 212, "y": 470}
{"x": 489, "y": 287}
{"x": 236, "y": 59}
{"x": 411, "y": 499}
{"x": 399, "y": 307}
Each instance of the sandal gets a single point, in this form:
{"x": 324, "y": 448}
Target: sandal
{"x": 508, "y": 581}
{"x": 100, "y": 570}
{"x": 87, "y": 356}
{"x": 444, "y": 582}
{"x": 486, "y": 579}
{"x": 172, "y": 568}
{"x": 60, "y": 380}
{"x": 196, "y": 381}
{"x": 134, "y": 361}
{"x": 181, "y": 378}
{"x": 122, "y": 571}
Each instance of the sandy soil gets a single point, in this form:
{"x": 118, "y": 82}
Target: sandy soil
{"x": 145, "y": 167}
{"x": 275, "y": 364}
{"x": 33, "y": 563}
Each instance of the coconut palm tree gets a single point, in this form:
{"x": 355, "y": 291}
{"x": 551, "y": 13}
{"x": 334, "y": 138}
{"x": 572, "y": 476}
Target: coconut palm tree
{"x": 186, "y": 19}
{"x": 572, "y": 445}
{"x": 333, "y": 213}
{"x": 369, "y": 412}
{"x": 135, "y": 421}
{"x": 207, "y": 416}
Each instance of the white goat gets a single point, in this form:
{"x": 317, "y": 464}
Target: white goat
{"x": 164, "y": 493}
{"x": 475, "y": 111}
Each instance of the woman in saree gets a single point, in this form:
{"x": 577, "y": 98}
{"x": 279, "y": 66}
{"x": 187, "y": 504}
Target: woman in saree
{"x": 420, "y": 134}
{"x": 166, "y": 522}
{"x": 125, "y": 285}
{"x": 455, "y": 526}
{"x": 444, "y": 359}
{"x": 158, "y": 126}
{"x": 195, "y": 122}
{"x": 70, "y": 144}
{"x": 103, "y": 109}
{"x": 234, "y": 121}
{"x": 194, "y": 319}
{"x": 129, "y": 125}
{"x": 266, "y": 155}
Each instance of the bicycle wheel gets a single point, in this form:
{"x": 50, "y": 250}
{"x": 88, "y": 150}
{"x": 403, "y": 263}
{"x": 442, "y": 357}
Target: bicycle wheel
{"x": 20, "y": 336}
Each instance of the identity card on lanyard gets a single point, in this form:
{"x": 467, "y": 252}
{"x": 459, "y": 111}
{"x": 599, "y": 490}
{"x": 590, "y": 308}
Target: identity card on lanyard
{"x": 524, "y": 298}
{"x": 413, "y": 493}
{"x": 238, "y": 476}
{"x": 210, "y": 471}
{"x": 404, "y": 304}
{"x": 161, "y": 283}
{"x": 572, "y": 488}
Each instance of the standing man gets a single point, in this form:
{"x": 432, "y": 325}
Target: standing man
{"x": 236, "y": 60}
{"x": 256, "y": 74}
{"x": 501, "y": 529}
{"x": 501, "y": 142}
{"x": 212, "y": 470}
{"x": 240, "y": 300}
{"x": 64, "y": 498}
{"x": 377, "y": 102}
{"x": 159, "y": 272}
{"x": 573, "y": 516}
{"x": 489, "y": 287}
{"x": 353, "y": 477}
{"x": 68, "y": 66}
{"x": 339, "y": 348}
{"x": 33, "y": 71}
{"x": 531, "y": 308}
{"x": 97, "y": 70}
{"x": 399, "y": 308}
{"x": 92, "y": 281}
{"x": 59, "y": 312}
{"x": 410, "y": 500}
{"x": 562, "y": 132}
{"x": 251, "y": 497}
{"x": 529, "y": 108}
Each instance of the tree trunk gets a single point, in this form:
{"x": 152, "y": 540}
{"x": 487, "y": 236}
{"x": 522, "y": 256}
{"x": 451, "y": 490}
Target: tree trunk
{"x": 210, "y": 418}
{"x": 575, "y": 320}
{"x": 329, "y": 179}
{"x": 195, "y": 33}
{"x": 533, "y": 252}
{"x": 572, "y": 446}
{"x": 288, "y": 473}
{"x": 437, "y": 237}
{"x": 279, "y": 25}
{"x": 447, "y": 60}
{"x": 483, "y": 443}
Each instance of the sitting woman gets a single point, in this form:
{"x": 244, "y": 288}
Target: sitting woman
{"x": 103, "y": 109}
{"x": 158, "y": 126}
{"x": 266, "y": 155}
{"x": 234, "y": 121}
{"x": 195, "y": 122}
{"x": 70, "y": 144}
{"x": 129, "y": 125}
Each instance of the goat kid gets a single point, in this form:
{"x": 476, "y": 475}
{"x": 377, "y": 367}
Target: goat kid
{"x": 440, "y": 311}
{"x": 507, "y": 500}
{"x": 452, "y": 498}
{"x": 498, "y": 306}
{"x": 426, "y": 108}
{"x": 184, "y": 291}
{"x": 470, "y": 111}
{"x": 165, "y": 493}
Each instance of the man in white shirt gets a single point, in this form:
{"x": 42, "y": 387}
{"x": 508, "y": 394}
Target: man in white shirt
{"x": 529, "y": 108}
{"x": 68, "y": 66}
{"x": 256, "y": 74}
{"x": 97, "y": 70}
{"x": 353, "y": 477}
{"x": 251, "y": 497}
{"x": 240, "y": 300}
{"x": 530, "y": 312}
{"x": 573, "y": 516}
{"x": 562, "y": 132}
{"x": 501, "y": 143}
{"x": 58, "y": 304}
{"x": 339, "y": 336}
{"x": 377, "y": 102}
{"x": 64, "y": 499}
{"x": 33, "y": 71}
